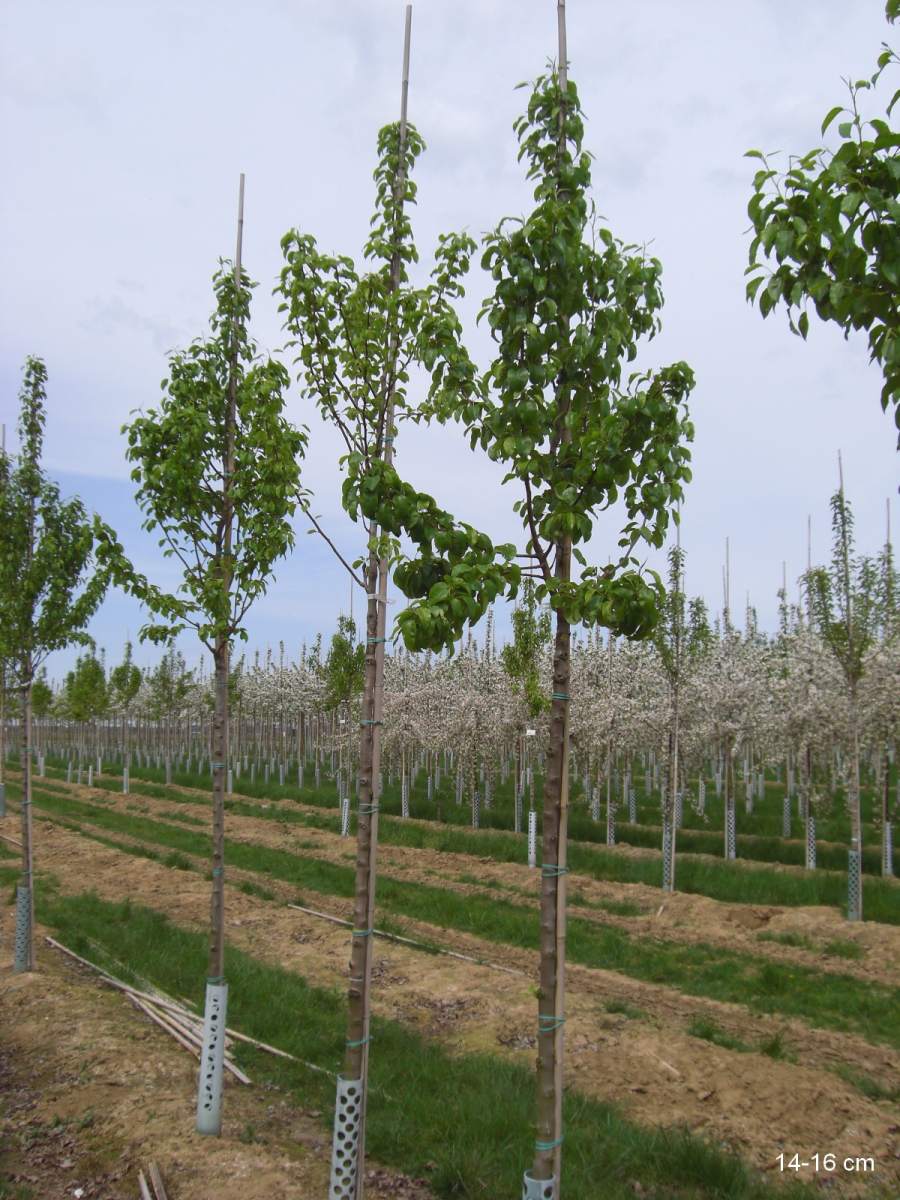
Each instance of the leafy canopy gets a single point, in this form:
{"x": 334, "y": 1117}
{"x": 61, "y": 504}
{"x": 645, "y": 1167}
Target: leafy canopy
{"x": 125, "y": 680}
{"x": 569, "y": 306}
{"x": 85, "y": 692}
{"x": 831, "y": 223}
{"x": 683, "y": 635}
{"x": 178, "y": 452}
{"x": 345, "y": 665}
{"x": 521, "y": 658}
{"x": 357, "y": 335}
{"x": 49, "y": 585}
{"x": 853, "y": 601}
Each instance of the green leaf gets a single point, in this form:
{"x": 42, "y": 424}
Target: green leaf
{"x": 834, "y": 112}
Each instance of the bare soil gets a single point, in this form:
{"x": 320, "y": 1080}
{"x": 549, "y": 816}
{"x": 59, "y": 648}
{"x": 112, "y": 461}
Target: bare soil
{"x": 646, "y": 1061}
{"x": 683, "y": 917}
{"x": 91, "y": 1092}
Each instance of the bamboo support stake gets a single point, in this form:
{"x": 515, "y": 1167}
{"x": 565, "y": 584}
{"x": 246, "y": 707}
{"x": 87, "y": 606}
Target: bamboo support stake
{"x": 190, "y": 1039}
{"x": 160, "y": 1001}
{"x": 142, "y": 1184}
{"x": 156, "y": 1180}
{"x": 164, "y": 1002}
{"x": 395, "y": 937}
{"x": 559, "y": 1005}
{"x": 242, "y": 1037}
{"x": 356, "y": 1061}
{"x": 158, "y": 1019}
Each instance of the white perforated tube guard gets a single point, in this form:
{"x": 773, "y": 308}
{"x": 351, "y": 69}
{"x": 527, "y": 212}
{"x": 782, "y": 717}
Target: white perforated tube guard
{"x": 212, "y": 1060}
{"x": 538, "y": 1189}
{"x": 345, "y": 1144}
{"x": 23, "y": 928}
{"x": 887, "y": 856}
{"x": 810, "y": 843}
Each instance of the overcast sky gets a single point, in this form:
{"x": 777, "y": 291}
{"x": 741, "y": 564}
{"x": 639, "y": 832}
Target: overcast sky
{"x": 125, "y": 127}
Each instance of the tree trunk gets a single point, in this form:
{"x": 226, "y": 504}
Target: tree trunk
{"x": 671, "y": 799}
{"x": 216, "y": 962}
{"x": 551, "y": 991}
{"x": 27, "y": 962}
{"x": 855, "y": 897}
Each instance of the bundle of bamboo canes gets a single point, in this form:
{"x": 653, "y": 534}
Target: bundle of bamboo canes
{"x": 151, "y": 1184}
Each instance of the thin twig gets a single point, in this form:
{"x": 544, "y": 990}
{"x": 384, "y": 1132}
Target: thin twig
{"x": 334, "y": 548}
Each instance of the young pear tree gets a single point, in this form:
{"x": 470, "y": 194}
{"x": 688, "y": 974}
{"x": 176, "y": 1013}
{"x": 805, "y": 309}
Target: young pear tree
{"x": 218, "y": 476}
{"x": 344, "y": 676}
{"x": 569, "y": 307}
{"x": 85, "y": 696}
{"x": 681, "y": 637}
{"x": 50, "y": 588}
{"x": 124, "y": 684}
{"x": 521, "y": 659}
{"x": 357, "y": 334}
{"x": 847, "y": 608}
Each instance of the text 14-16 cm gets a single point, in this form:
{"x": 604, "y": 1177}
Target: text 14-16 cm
{"x": 824, "y": 1162}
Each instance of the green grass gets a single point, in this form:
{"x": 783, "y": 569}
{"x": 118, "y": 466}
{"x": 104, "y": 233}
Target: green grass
{"x": 729, "y": 882}
{"x": 709, "y": 1031}
{"x": 249, "y": 888}
{"x": 9, "y": 877}
{"x": 788, "y": 939}
{"x": 836, "y": 948}
{"x": 466, "y": 1120}
{"x": 759, "y": 836}
{"x": 866, "y": 1084}
{"x": 177, "y": 860}
{"x": 841, "y": 948}
{"x": 772, "y": 1046}
{"x": 829, "y": 1000}
{"x": 622, "y": 1008}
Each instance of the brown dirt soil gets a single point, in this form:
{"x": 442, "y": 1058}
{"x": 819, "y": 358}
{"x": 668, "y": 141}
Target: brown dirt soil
{"x": 91, "y": 1092}
{"x": 660, "y": 1074}
{"x": 684, "y": 917}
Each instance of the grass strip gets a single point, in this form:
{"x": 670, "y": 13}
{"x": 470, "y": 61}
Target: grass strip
{"x": 827, "y": 1000}
{"x": 759, "y": 836}
{"x": 464, "y": 1121}
{"x": 733, "y": 883}
{"x": 765, "y": 819}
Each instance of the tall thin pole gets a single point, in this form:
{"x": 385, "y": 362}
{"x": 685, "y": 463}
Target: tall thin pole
{"x": 559, "y": 1006}
{"x": 3, "y": 675}
{"x": 209, "y": 1093}
{"x": 356, "y": 1065}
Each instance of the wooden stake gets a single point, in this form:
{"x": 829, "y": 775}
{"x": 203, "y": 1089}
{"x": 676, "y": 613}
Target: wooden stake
{"x": 156, "y": 1180}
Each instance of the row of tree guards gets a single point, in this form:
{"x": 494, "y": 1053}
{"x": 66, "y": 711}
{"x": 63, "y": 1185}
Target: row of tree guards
{"x": 217, "y": 471}
{"x": 499, "y": 791}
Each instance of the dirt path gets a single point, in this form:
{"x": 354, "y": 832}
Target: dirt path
{"x": 91, "y": 1091}
{"x": 661, "y": 1075}
{"x": 681, "y": 917}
